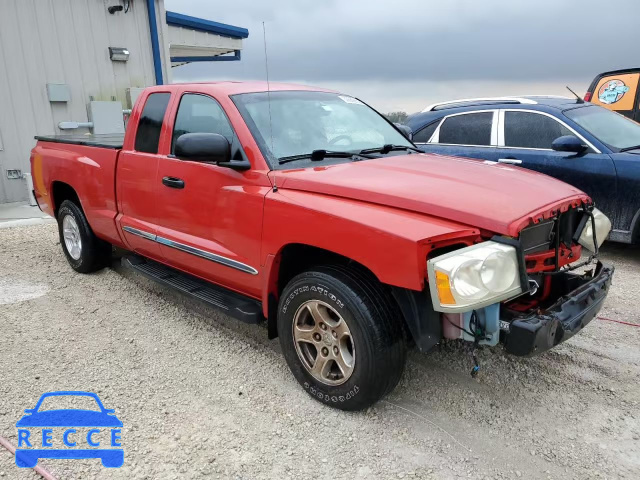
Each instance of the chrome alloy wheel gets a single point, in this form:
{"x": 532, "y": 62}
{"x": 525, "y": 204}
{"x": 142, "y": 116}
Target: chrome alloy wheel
{"x": 72, "y": 239}
{"x": 323, "y": 342}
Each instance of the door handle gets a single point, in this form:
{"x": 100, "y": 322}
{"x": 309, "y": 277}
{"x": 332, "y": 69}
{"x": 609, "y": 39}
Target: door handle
{"x": 510, "y": 161}
{"x": 173, "y": 182}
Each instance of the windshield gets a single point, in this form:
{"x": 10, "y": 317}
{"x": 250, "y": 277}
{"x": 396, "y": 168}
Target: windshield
{"x": 299, "y": 122}
{"x": 609, "y": 127}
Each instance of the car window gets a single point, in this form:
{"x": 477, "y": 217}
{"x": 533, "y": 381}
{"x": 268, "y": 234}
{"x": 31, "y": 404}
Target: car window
{"x": 609, "y": 127}
{"x": 616, "y": 92}
{"x": 531, "y": 130}
{"x": 150, "y": 124}
{"x": 200, "y": 114}
{"x": 290, "y": 123}
{"x": 64, "y": 402}
{"x": 423, "y": 136}
{"x": 467, "y": 129}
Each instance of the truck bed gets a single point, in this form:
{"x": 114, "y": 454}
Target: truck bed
{"x": 114, "y": 141}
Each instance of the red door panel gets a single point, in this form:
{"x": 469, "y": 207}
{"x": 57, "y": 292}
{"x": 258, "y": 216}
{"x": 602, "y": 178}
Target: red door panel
{"x": 137, "y": 192}
{"x": 212, "y": 226}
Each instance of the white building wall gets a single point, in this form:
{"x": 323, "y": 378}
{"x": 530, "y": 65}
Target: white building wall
{"x": 66, "y": 41}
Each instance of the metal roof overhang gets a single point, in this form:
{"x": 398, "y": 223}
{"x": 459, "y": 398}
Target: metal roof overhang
{"x": 194, "y": 39}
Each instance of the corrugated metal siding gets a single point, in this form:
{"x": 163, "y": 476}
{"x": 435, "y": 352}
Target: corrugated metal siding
{"x": 65, "y": 41}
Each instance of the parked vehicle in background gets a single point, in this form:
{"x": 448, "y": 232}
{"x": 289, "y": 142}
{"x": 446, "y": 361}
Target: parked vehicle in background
{"x": 309, "y": 210}
{"x": 590, "y": 147}
{"x": 618, "y": 91}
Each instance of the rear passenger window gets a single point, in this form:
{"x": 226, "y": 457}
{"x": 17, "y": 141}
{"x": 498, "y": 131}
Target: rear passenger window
{"x": 423, "y": 136}
{"x": 200, "y": 114}
{"x": 467, "y": 129}
{"x": 150, "y": 123}
{"x": 531, "y": 130}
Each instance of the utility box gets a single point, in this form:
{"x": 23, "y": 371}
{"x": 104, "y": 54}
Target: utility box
{"x": 107, "y": 117}
{"x": 58, "y": 92}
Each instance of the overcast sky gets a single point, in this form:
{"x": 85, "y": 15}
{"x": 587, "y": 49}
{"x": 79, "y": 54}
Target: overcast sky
{"x": 406, "y": 54}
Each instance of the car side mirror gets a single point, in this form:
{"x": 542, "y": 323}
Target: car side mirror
{"x": 210, "y": 148}
{"x": 569, "y": 143}
{"x": 203, "y": 147}
{"x": 405, "y": 130}
{"x": 29, "y": 410}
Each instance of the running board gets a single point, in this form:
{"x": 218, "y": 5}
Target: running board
{"x": 231, "y": 303}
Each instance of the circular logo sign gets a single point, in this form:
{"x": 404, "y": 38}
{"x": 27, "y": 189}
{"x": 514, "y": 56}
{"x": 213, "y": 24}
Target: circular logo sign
{"x": 612, "y": 91}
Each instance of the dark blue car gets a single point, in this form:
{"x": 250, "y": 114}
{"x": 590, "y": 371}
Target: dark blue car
{"x": 590, "y": 147}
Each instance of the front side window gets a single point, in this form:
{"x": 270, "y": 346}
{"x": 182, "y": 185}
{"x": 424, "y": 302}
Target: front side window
{"x": 467, "y": 129}
{"x": 423, "y": 136}
{"x": 617, "y": 131}
{"x": 150, "y": 124}
{"x": 200, "y": 114}
{"x": 291, "y": 123}
{"x": 531, "y": 130}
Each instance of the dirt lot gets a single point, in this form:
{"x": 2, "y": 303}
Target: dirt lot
{"x": 203, "y": 396}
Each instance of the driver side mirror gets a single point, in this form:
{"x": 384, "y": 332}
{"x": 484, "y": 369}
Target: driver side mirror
{"x": 208, "y": 147}
{"x": 405, "y": 130}
{"x": 569, "y": 143}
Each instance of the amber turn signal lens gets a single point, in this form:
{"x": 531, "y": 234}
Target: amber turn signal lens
{"x": 444, "y": 289}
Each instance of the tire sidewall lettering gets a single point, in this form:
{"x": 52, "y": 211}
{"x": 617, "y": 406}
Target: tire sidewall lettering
{"x": 325, "y": 397}
{"x": 320, "y": 289}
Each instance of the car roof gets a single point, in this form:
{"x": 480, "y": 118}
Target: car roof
{"x": 233, "y": 87}
{"x": 545, "y": 103}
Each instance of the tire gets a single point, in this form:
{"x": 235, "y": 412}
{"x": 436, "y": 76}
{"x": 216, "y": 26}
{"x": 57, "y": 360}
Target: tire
{"x": 85, "y": 252}
{"x": 371, "y": 351}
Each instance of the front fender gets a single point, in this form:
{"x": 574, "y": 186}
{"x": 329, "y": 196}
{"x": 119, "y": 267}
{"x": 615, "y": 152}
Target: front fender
{"x": 390, "y": 242}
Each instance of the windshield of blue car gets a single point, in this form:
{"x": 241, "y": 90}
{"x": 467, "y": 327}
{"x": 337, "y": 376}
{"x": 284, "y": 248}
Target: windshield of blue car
{"x": 291, "y": 123}
{"x": 64, "y": 402}
{"x": 613, "y": 129}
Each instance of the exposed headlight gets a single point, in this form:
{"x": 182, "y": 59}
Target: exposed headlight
{"x": 474, "y": 277}
{"x": 603, "y": 227}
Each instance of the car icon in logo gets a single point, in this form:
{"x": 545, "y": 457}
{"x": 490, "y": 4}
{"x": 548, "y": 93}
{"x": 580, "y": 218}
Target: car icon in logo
{"x": 36, "y": 429}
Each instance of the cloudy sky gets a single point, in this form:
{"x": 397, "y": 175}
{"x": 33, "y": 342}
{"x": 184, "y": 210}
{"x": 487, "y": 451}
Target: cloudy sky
{"x": 406, "y": 54}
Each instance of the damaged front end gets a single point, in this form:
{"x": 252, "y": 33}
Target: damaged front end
{"x": 529, "y": 293}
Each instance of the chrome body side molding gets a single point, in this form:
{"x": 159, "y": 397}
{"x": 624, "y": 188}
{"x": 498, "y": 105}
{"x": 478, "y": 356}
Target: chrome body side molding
{"x": 228, "y": 262}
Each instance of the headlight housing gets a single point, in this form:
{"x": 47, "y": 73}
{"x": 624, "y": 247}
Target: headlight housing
{"x": 474, "y": 277}
{"x": 603, "y": 227}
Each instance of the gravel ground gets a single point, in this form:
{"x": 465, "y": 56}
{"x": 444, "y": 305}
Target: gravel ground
{"x": 203, "y": 396}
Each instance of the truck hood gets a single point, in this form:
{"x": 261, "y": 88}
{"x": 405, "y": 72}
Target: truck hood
{"x": 494, "y": 197}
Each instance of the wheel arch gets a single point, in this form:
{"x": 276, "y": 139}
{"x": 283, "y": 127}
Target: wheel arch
{"x": 295, "y": 258}
{"x": 61, "y": 191}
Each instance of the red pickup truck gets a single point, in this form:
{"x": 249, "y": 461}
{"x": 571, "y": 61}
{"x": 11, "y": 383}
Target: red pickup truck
{"x": 307, "y": 209}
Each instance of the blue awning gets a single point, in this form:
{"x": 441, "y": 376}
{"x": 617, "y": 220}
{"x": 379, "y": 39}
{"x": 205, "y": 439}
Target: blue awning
{"x": 200, "y": 24}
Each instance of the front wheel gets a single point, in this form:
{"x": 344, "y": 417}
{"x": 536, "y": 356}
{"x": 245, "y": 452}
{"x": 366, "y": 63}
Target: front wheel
{"x": 342, "y": 336}
{"x": 84, "y": 251}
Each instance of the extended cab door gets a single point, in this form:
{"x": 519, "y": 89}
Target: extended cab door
{"x": 467, "y": 134}
{"x": 136, "y": 176}
{"x": 525, "y": 138}
{"x": 210, "y": 217}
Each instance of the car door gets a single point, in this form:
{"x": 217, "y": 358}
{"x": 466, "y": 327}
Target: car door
{"x": 210, "y": 216}
{"x": 136, "y": 178}
{"x": 525, "y": 138}
{"x": 467, "y": 134}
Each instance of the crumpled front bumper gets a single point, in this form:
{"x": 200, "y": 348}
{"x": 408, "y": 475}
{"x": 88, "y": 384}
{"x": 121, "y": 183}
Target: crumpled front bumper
{"x": 536, "y": 333}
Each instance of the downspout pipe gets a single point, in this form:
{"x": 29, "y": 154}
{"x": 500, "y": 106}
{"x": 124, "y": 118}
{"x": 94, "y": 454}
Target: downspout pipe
{"x": 155, "y": 42}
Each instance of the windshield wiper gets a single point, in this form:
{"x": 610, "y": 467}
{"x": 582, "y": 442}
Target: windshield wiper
{"x": 318, "y": 155}
{"x": 388, "y": 148}
{"x": 626, "y": 149}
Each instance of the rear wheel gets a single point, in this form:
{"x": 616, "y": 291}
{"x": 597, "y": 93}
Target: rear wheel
{"x": 342, "y": 336}
{"x": 84, "y": 251}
